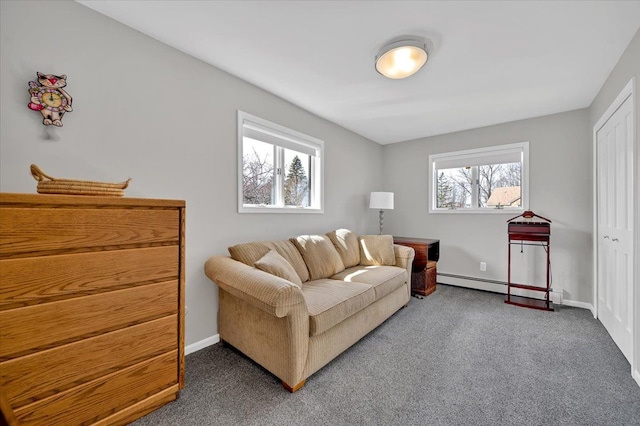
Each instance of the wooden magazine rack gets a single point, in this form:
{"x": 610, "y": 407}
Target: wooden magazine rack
{"x": 529, "y": 231}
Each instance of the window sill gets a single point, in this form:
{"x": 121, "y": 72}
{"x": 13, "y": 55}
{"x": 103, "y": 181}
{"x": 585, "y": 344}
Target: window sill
{"x": 265, "y": 209}
{"x": 477, "y": 211}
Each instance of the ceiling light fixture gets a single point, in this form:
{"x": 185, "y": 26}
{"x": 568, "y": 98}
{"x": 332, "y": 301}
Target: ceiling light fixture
{"x": 402, "y": 58}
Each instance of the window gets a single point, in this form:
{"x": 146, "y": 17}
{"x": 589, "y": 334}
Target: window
{"x": 493, "y": 179}
{"x": 280, "y": 170}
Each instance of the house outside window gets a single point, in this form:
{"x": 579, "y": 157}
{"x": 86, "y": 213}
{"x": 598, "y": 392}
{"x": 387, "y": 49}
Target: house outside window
{"x": 484, "y": 180}
{"x": 280, "y": 170}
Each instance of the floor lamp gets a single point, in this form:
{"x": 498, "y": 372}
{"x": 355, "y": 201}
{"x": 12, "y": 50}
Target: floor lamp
{"x": 381, "y": 201}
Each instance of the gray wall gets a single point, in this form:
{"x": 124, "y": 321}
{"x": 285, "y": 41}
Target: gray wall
{"x": 628, "y": 66}
{"x": 560, "y": 189}
{"x": 147, "y": 111}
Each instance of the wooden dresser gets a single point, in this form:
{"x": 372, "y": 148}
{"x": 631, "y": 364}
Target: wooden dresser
{"x": 424, "y": 272}
{"x": 91, "y": 308}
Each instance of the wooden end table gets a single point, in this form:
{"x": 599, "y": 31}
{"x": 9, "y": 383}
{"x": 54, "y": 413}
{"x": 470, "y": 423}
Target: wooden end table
{"x": 424, "y": 269}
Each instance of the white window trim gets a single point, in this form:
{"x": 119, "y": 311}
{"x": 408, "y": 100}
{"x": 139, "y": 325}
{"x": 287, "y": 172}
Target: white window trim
{"x": 317, "y": 173}
{"x": 471, "y": 153}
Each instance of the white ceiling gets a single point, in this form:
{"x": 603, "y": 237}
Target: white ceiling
{"x": 489, "y": 61}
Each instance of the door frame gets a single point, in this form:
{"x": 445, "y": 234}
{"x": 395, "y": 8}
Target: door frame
{"x": 628, "y": 91}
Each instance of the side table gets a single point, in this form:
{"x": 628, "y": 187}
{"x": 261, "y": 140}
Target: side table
{"x": 424, "y": 270}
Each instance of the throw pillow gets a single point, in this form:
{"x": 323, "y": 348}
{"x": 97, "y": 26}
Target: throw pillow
{"x": 321, "y": 257}
{"x": 377, "y": 250}
{"x": 249, "y": 253}
{"x": 346, "y": 242}
{"x": 277, "y": 265}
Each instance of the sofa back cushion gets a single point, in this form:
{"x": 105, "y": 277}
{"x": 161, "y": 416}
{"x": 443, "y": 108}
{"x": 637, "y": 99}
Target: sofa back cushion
{"x": 250, "y": 253}
{"x": 346, "y": 243}
{"x": 320, "y": 255}
{"x": 277, "y": 265}
{"x": 377, "y": 250}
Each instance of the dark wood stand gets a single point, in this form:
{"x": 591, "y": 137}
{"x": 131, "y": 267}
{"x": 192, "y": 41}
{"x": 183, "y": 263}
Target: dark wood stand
{"x": 424, "y": 269}
{"x": 530, "y": 233}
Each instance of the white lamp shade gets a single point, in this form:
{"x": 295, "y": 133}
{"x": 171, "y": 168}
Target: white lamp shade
{"x": 381, "y": 201}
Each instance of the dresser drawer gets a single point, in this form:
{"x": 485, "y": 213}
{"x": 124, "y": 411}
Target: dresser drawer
{"x": 99, "y": 398}
{"x": 37, "y": 376}
{"x": 35, "y": 280}
{"x": 39, "y": 327}
{"x": 43, "y": 230}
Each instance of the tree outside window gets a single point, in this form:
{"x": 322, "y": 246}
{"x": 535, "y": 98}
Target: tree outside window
{"x": 481, "y": 179}
{"x": 455, "y": 187}
{"x": 257, "y": 173}
{"x": 296, "y": 185}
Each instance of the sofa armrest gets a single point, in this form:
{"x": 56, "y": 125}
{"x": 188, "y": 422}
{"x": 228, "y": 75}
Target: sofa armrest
{"x": 264, "y": 316}
{"x": 404, "y": 256}
{"x": 267, "y": 292}
{"x": 404, "y": 259}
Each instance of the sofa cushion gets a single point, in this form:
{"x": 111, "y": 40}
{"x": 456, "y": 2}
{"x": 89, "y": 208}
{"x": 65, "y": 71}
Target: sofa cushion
{"x": 346, "y": 243}
{"x": 320, "y": 255}
{"x": 331, "y": 301}
{"x": 250, "y": 253}
{"x": 277, "y": 265}
{"x": 377, "y": 250}
{"x": 383, "y": 279}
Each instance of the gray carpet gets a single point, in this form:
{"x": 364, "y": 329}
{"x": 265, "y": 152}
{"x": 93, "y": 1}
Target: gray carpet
{"x": 458, "y": 357}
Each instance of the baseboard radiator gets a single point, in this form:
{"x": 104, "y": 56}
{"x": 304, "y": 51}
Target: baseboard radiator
{"x": 494, "y": 286}
{"x": 465, "y": 277}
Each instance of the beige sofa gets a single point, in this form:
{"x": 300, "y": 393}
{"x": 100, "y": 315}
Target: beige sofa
{"x": 336, "y": 289}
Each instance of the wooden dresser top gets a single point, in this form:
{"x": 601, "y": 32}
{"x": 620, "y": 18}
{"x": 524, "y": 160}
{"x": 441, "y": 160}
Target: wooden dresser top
{"x": 16, "y": 199}
{"x": 426, "y": 241}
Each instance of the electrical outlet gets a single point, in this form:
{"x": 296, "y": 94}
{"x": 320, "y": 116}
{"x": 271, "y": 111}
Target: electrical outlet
{"x": 483, "y": 266}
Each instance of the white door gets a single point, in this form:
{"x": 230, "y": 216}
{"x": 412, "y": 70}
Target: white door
{"x": 615, "y": 187}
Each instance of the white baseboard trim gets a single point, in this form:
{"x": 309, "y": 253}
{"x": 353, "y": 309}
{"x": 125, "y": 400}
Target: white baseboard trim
{"x": 194, "y": 347}
{"x": 469, "y": 282}
{"x": 576, "y": 304}
{"x": 636, "y": 376}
